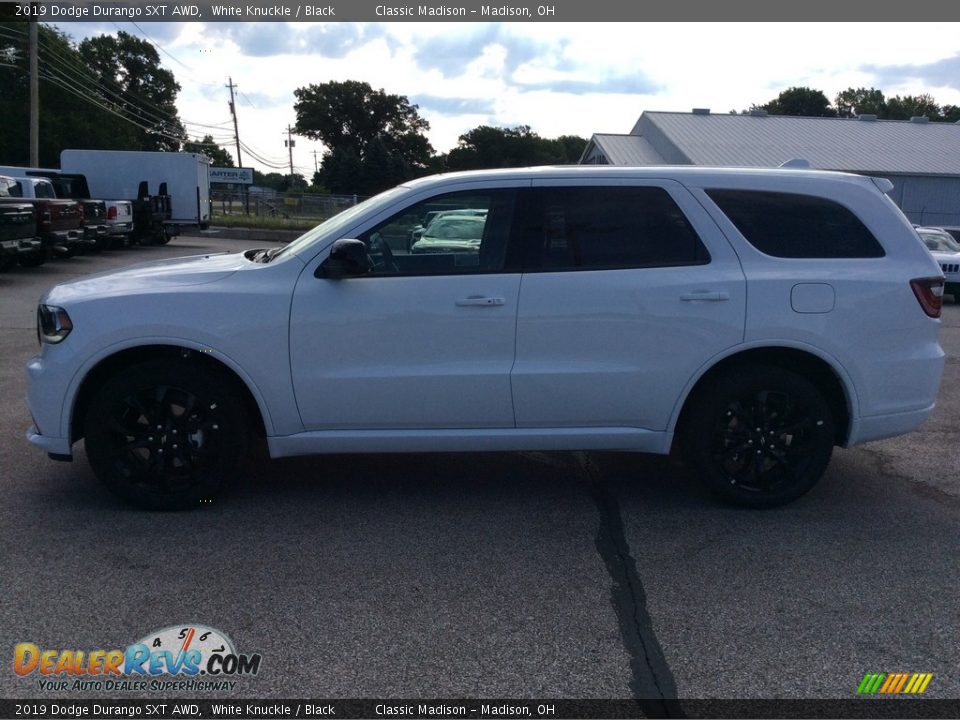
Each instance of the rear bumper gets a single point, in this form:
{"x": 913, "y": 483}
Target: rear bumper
{"x": 30, "y": 246}
{"x": 877, "y": 427}
{"x": 63, "y": 238}
{"x": 119, "y": 228}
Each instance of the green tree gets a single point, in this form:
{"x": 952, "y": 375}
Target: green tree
{"x": 79, "y": 108}
{"x": 573, "y": 147}
{"x": 799, "y": 101}
{"x": 341, "y": 172}
{"x": 854, "y": 102}
{"x": 908, "y": 106}
{"x": 360, "y": 124}
{"x": 494, "y": 147}
{"x": 218, "y": 155}
{"x": 130, "y": 79}
{"x": 950, "y": 113}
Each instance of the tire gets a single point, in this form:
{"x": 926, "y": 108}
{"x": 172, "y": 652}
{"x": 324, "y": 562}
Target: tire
{"x": 760, "y": 436}
{"x": 166, "y": 435}
{"x": 34, "y": 259}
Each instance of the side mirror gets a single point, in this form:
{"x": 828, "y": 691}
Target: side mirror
{"x": 348, "y": 258}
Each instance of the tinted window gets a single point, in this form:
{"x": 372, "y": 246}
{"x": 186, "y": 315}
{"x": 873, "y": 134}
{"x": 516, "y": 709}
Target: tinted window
{"x": 586, "y": 228}
{"x": 44, "y": 190}
{"x": 797, "y": 226}
{"x": 449, "y": 234}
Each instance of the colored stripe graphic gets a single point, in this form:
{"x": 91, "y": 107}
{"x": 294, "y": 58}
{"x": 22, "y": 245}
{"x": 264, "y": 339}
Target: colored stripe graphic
{"x": 894, "y": 683}
{"x": 869, "y": 683}
{"x": 891, "y": 680}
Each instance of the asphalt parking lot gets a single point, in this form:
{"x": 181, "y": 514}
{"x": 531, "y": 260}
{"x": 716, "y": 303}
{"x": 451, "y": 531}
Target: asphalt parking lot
{"x": 491, "y": 575}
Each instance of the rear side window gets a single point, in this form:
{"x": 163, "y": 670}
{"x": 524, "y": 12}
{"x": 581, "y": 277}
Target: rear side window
{"x": 593, "y": 228}
{"x": 788, "y": 225}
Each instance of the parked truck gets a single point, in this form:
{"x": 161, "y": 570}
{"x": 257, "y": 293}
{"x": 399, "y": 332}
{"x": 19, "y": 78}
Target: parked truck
{"x": 18, "y": 233}
{"x": 60, "y": 222}
{"x": 122, "y": 174}
{"x": 106, "y": 222}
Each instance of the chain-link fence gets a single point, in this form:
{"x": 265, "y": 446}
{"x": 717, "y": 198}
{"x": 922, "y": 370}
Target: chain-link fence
{"x": 271, "y": 204}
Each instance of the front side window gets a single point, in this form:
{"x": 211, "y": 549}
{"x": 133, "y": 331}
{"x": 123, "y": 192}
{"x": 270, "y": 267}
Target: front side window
{"x": 456, "y": 233}
{"x": 593, "y": 228}
{"x": 790, "y": 225}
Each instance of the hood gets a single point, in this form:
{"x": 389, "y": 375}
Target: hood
{"x": 159, "y": 275}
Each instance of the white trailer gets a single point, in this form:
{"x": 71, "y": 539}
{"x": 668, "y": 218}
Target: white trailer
{"x": 118, "y": 174}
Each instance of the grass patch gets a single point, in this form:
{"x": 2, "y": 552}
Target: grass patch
{"x": 265, "y": 223}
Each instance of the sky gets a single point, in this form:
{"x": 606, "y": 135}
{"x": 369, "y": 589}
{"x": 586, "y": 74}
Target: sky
{"x": 560, "y": 79}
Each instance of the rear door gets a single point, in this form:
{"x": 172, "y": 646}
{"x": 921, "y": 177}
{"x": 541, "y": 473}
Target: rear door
{"x": 628, "y": 289}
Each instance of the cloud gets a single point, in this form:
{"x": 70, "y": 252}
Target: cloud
{"x": 635, "y": 84}
{"x": 451, "y": 53}
{"x": 942, "y": 73}
{"x": 455, "y": 106}
{"x": 332, "y": 40}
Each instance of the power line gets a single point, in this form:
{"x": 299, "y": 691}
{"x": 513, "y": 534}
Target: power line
{"x": 69, "y": 88}
{"x": 158, "y": 47}
{"x": 94, "y": 84}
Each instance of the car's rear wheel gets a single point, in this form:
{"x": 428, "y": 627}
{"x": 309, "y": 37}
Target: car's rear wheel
{"x": 760, "y": 436}
{"x": 165, "y": 435}
{"x": 35, "y": 259}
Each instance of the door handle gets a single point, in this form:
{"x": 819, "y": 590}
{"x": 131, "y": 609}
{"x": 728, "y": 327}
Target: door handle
{"x": 479, "y": 301}
{"x": 705, "y": 295}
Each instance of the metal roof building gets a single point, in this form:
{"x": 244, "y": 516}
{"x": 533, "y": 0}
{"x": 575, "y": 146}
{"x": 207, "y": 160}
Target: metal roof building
{"x": 921, "y": 158}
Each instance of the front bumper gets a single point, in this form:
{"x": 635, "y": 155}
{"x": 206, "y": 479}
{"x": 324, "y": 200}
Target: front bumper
{"x": 52, "y": 445}
{"x": 48, "y": 381}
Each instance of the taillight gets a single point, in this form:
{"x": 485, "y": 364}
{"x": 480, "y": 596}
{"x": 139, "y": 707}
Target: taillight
{"x": 929, "y": 292}
{"x": 112, "y": 213}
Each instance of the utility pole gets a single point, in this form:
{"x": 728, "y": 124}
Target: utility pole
{"x": 233, "y": 111}
{"x": 34, "y": 91}
{"x": 316, "y": 167}
{"x": 289, "y": 142}
{"x": 236, "y": 137}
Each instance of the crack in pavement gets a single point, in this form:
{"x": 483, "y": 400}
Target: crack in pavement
{"x": 652, "y": 684}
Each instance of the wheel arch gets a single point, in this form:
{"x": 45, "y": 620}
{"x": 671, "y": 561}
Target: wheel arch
{"x": 130, "y": 356}
{"x": 827, "y": 377}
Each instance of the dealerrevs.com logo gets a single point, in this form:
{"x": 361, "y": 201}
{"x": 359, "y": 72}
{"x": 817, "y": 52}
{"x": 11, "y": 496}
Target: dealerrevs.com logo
{"x": 188, "y": 657}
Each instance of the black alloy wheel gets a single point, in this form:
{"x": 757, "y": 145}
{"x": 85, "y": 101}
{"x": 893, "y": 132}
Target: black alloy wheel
{"x": 761, "y": 436}
{"x": 165, "y": 435}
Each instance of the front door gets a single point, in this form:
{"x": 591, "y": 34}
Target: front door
{"x": 426, "y": 340}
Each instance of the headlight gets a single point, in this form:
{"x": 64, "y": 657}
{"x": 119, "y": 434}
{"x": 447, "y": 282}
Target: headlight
{"x": 53, "y": 324}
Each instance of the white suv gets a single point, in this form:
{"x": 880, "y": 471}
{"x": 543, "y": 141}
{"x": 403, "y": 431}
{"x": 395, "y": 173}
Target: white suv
{"x": 751, "y": 318}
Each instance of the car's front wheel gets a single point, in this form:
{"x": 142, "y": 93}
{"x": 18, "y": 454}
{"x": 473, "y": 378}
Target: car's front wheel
{"x": 760, "y": 436}
{"x": 166, "y": 434}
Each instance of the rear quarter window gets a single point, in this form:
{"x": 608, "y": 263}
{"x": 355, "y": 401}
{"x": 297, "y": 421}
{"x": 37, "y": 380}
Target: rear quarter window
{"x": 790, "y": 225}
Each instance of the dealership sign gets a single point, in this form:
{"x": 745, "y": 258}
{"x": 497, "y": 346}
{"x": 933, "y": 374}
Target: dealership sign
{"x": 244, "y": 176}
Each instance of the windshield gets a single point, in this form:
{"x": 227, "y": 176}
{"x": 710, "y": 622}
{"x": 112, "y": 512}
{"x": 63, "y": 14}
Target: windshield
{"x": 939, "y": 241}
{"x": 341, "y": 220}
